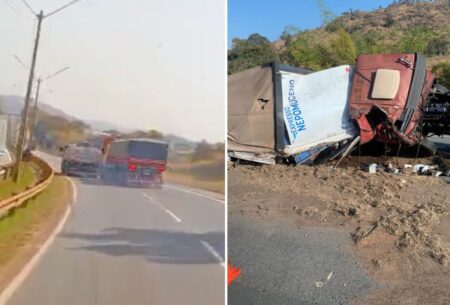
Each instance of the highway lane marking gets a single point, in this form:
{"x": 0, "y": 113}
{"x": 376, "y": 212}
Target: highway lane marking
{"x": 18, "y": 280}
{"x": 213, "y": 253}
{"x": 74, "y": 190}
{"x": 172, "y": 214}
{"x": 194, "y": 193}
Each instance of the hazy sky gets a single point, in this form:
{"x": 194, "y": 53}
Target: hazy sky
{"x": 137, "y": 63}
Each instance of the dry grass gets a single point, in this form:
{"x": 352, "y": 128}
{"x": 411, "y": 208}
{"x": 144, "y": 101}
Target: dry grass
{"x": 204, "y": 174}
{"x": 217, "y": 186}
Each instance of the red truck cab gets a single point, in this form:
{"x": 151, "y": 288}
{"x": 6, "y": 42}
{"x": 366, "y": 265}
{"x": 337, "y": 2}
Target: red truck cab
{"x": 388, "y": 95}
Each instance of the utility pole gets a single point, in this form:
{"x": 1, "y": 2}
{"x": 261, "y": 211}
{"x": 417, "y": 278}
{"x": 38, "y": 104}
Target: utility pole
{"x": 36, "y": 99}
{"x": 34, "y": 115}
{"x": 23, "y": 124}
{"x": 39, "y": 82}
{"x": 23, "y": 127}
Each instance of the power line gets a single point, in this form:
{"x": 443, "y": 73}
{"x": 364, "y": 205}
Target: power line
{"x": 21, "y": 62}
{"x": 29, "y": 7}
{"x": 56, "y": 73}
{"x": 61, "y": 8}
{"x": 11, "y": 7}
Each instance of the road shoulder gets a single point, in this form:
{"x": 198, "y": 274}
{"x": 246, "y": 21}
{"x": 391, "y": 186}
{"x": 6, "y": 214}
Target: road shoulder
{"x": 26, "y": 230}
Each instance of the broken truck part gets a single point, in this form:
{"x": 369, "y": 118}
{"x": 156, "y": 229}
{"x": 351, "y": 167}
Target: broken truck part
{"x": 278, "y": 111}
{"x": 281, "y": 111}
{"x": 395, "y": 99}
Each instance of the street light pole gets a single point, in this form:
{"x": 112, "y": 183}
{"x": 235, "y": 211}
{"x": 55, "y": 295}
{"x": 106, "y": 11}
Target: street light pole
{"x": 21, "y": 139}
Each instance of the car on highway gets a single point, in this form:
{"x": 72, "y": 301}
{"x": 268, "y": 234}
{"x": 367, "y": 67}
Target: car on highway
{"x": 80, "y": 159}
{"x": 134, "y": 162}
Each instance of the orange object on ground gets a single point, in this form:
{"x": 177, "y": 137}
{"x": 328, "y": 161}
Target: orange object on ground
{"x": 233, "y": 273}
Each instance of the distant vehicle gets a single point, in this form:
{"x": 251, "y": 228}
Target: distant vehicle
{"x": 80, "y": 159}
{"x": 134, "y": 162}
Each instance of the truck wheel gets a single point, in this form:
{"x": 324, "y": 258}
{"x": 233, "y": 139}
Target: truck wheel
{"x": 158, "y": 182}
{"x": 64, "y": 170}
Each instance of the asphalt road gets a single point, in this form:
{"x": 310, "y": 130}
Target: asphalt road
{"x": 284, "y": 265}
{"x": 132, "y": 246}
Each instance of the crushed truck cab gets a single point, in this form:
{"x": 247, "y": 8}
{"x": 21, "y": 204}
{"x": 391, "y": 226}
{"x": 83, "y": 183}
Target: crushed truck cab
{"x": 388, "y": 95}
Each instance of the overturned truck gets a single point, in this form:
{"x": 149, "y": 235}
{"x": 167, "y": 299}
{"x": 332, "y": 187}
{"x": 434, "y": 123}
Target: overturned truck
{"x": 281, "y": 112}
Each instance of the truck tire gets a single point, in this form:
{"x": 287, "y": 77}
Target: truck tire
{"x": 159, "y": 182}
{"x": 64, "y": 169}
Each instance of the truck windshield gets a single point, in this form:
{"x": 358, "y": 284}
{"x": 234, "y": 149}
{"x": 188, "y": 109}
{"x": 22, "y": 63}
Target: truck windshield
{"x": 148, "y": 150}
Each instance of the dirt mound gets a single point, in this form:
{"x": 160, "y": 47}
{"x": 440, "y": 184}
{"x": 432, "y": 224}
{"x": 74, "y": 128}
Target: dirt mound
{"x": 406, "y": 206}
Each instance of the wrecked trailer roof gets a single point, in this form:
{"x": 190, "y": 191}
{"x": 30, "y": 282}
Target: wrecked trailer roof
{"x": 281, "y": 110}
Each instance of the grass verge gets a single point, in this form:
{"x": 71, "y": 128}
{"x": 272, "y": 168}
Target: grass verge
{"x": 217, "y": 186}
{"x": 28, "y": 226}
{"x": 27, "y": 178}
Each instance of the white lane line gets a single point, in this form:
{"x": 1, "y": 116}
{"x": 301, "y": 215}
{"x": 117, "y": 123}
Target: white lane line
{"x": 172, "y": 214}
{"x": 74, "y": 190}
{"x": 194, "y": 193}
{"x": 213, "y": 252}
{"x": 18, "y": 280}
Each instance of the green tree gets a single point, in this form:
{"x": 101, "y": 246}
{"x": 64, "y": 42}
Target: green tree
{"x": 326, "y": 14}
{"x": 438, "y": 45}
{"x": 251, "y": 52}
{"x": 308, "y": 50}
{"x": 290, "y": 31}
{"x": 203, "y": 151}
{"x": 343, "y": 48}
{"x": 415, "y": 40}
{"x": 442, "y": 72}
{"x": 155, "y": 134}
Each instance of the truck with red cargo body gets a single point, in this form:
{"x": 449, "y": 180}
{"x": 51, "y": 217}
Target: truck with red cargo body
{"x": 134, "y": 162}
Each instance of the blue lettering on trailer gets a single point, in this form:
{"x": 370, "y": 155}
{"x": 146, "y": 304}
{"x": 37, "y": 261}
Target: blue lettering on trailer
{"x": 295, "y": 120}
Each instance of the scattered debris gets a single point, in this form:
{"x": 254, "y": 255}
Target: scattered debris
{"x": 408, "y": 207}
{"x": 372, "y": 168}
{"x": 320, "y": 283}
{"x": 329, "y": 276}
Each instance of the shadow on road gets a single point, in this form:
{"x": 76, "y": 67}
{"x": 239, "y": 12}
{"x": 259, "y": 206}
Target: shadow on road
{"x": 166, "y": 247}
{"x": 98, "y": 182}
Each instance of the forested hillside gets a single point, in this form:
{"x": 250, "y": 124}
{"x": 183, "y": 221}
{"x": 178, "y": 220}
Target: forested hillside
{"x": 403, "y": 27}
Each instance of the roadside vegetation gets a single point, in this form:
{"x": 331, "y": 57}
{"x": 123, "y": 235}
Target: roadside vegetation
{"x": 28, "y": 177}
{"x": 27, "y": 227}
{"x": 204, "y": 169}
{"x": 402, "y": 27}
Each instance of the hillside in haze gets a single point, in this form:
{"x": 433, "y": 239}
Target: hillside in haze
{"x": 13, "y": 104}
{"x": 55, "y": 128}
{"x": 403, "y": 27}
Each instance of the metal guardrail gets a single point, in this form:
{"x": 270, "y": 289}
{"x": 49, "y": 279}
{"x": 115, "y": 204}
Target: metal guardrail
{"x": 5, "y": 170}
{"x": 14, "y": 201}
